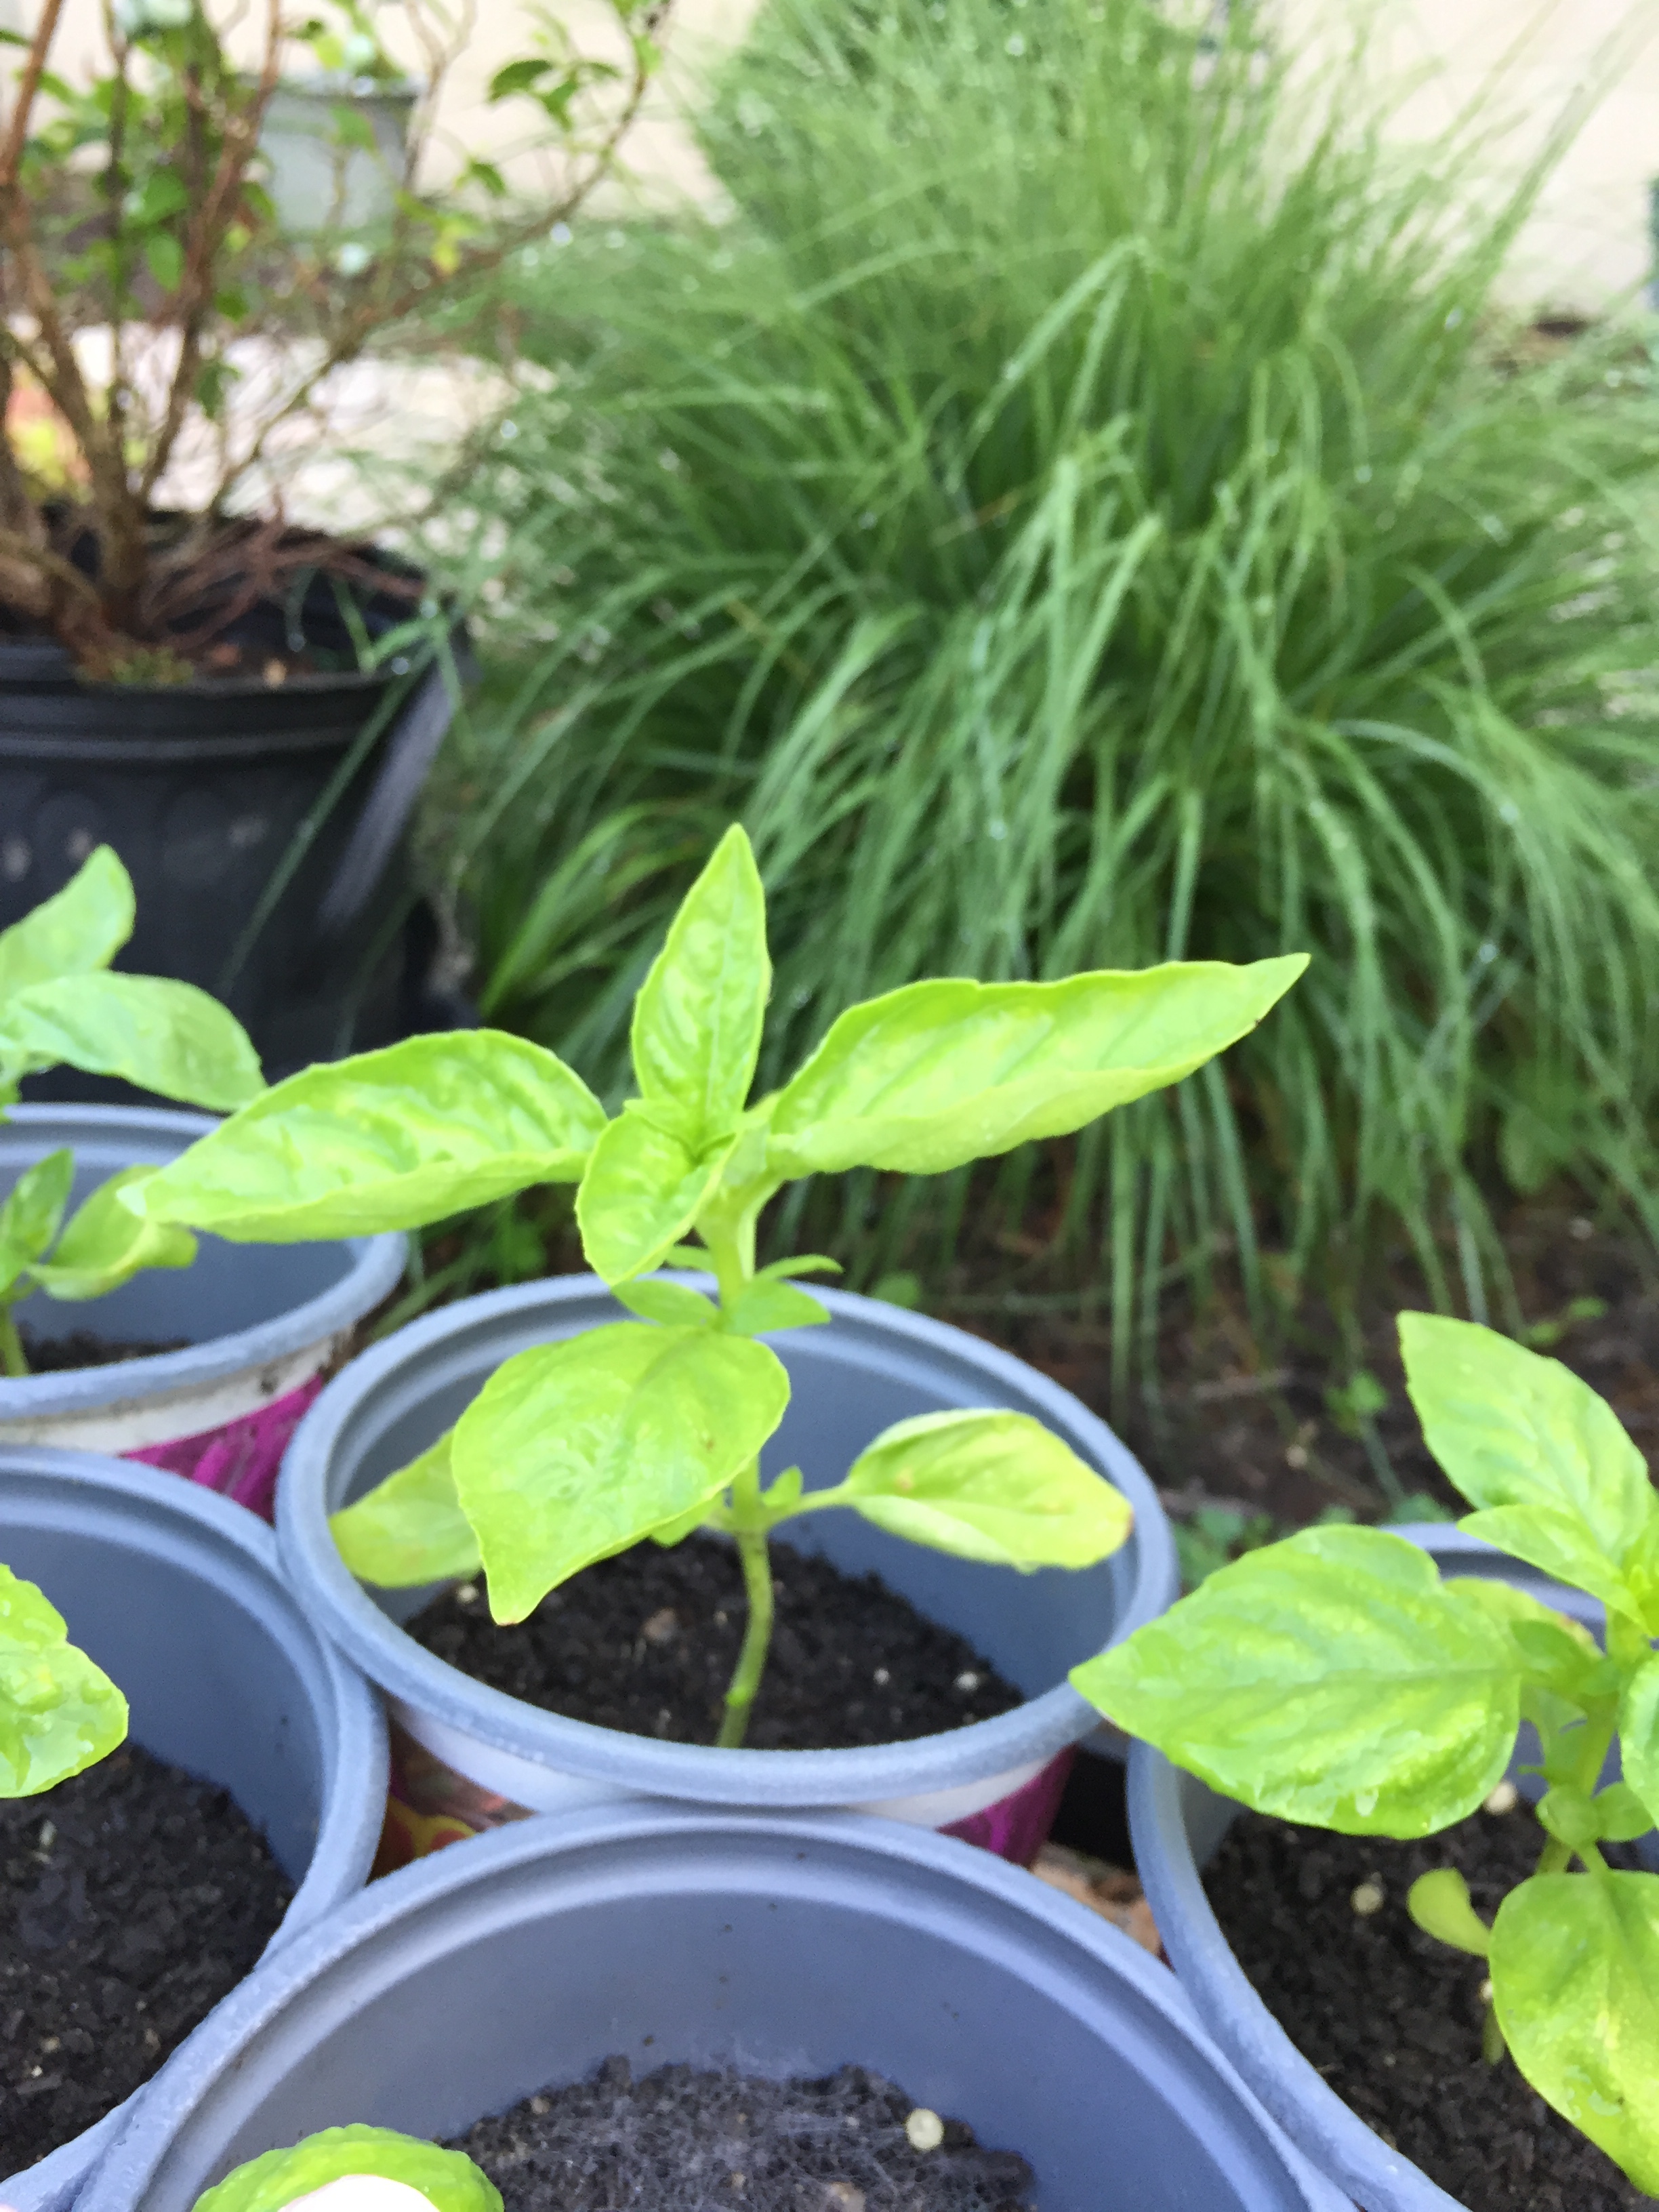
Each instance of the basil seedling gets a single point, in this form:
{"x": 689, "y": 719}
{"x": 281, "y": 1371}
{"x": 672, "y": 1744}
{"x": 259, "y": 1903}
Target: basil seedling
{"x": 448, "y": 2179}
{"x": 60, "y": 1006}
{"x": 58, "y": 1713}
{"x": 578, "y": 1449}
{"x": 1335, "y": 1680}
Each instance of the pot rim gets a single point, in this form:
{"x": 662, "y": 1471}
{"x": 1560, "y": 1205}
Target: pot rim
{"x": 879, "y": 1773}
{"x": 377, "y": 1265}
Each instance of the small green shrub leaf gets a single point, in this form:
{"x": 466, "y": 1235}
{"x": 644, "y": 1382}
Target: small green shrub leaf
{"x": 940, "y": 1073}
{"x": 672, "y": 1304}
{"x": 1439, "y": 1903}
{"x": 390, "y": 1140}
{"x": 770, "y": 1302}
{"x": 575, "y": 1450}
{"x": 1638, "y": 1734}
{"x": 409, "y": 1530}
{"x": 1330, "y": 1679}
{"x": 446, "y": 2178}
{"x": 642, "y": 1190}
{"x": 698, "y": 1019}
{"x": 1514, "y": 1429}
{"x": 58, "y": 1712}
{"x": 32, "y": 1208}
{"x": 995, "y": 1486}
{"x": 106, "y": 1243}
{"x": 1575, "y": 1977}
{"x": 78, "y": 929}
{"x": 163, "y": 1036}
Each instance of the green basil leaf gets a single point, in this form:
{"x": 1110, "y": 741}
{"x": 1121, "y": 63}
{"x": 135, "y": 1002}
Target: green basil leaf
{"x": 32, "y": 1208}
{"x": 642, "y": 1190}
{"x": 163, "y": 1036}
{"x": 996, "y": 1486}
{"x": 390, "y": 1140}
{"x": 770, "y": 1302}
{"x": 1513, "y": 1429}
{"x": 1558, "y": 1652}
{"x": 1575, "y": 1979}
{"x": 1569, "y": 1815}
{"x": 670, "y": 1303}
{"x": 57, "y": 1711}
{"x": 78, "y": 929}
{"x": 1639, "y": 1733}
{"x": 698, "y": 1019}
{"x": 1439, "y": 1903}
{"x": 1557, "y": 1542}
{"x": 106, "y": 1243}
{"x": 1331, "y": 1679}
{"x": 1620, "y": 1815}
{"x": 676, "y": 1531}
{"x": 939, "y": 1073}
{"x": 409, "y": 1530}
{"x": 575, "y": 1450}
{"x": 446, "y": 2178}
{"x": 806, "y": 1263}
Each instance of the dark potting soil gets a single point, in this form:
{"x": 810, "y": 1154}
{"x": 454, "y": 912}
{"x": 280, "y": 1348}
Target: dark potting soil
{"x": 133, "y": 1899}
{"x": 681, "y": 2140}
{"x": 645, "y": 1644}
{"x": 83, "y": 1347}
{"x": 1391, "y": 2018}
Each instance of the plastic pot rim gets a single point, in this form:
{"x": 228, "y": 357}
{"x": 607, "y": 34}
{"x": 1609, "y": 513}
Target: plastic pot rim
{"x": 376, "y": 1266}
{"x": 1033, "y": 1731}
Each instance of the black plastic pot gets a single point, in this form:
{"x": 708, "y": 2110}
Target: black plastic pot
{"x": 1176, "y": 1823}
{"x": 790, "y": 1945}
{"x": 177, "y": 1595}
{"x": 206, "y": 791}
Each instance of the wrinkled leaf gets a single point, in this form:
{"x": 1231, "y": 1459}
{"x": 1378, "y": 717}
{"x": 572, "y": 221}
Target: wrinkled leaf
{"x": 1575, "y": 1977}
{"x": 1639, "y": 1733}
{"x": 78, "y": 929}
{"x": 672, "y": 1304}
{"x": 446, "y": 2178}
{"x": 106, "y": 1243}
{"x": 698, "y": 1019}
{"x": 390, "y": 1140}
{"x": 1513, "y": 1429}
{"x": 164, "y": 1036}
{"x": 643, "y": 1191}
{"x": 57, "y": 1711}
{"x": 1330, "y": 1679}
{"x": 409, "y": 1530}
{"x": 1439, "y": 1903}
{"x": 575, "y": 1450}
{"x": 771, "y": 1303}
{"x": 939, "y": 1073}
{"x": 996, "y": 1486}
{"x": 32, "y": 1209}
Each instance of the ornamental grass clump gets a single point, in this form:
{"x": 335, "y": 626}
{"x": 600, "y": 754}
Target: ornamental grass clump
{"x": 1078, "y": 502}
{"x": 653, "y": 1428}
{"x": 1336, "y": 1680}
{"x": 62, "y": 1006}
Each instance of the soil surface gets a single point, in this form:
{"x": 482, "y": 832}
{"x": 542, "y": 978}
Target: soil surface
{"x": 58, "y": 1355}
{"x": 681, "y": 2140}
{"x": 645, "y": 1644}
{"x": 133, "y": 1899}
{"x": 1391, "y": 2018}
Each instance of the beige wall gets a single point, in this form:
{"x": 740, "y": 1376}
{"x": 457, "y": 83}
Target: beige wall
{"x": 1589, "y": 244}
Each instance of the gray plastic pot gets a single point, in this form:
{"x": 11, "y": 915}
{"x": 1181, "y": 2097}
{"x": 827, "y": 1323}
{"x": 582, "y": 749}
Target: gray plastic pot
{"x": 262, "y": 1321}
{"x": 177, "y": 1595}
{"x": 790, "y": 1945}
{"x": 873, "y": 1364}
{"x": 1176, "y": 1823}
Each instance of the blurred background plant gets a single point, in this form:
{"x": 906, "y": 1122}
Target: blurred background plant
{"x": 1080, "y": 503}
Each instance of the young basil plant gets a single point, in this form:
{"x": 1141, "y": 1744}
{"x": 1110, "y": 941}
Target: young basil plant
{"x": 61, "y": 1006}
{"x": 448, "y": 2179}
{"x": 654, "y": 1427}
{"x": 1335, "y": 1680}
{"x": 58, "y": 1712}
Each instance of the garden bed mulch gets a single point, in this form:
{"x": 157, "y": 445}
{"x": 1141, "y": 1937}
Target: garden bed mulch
{"x": 647, "y": 1643}
{"x": 132, "y": 1898}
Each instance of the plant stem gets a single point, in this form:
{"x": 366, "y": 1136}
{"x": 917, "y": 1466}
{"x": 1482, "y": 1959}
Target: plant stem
{"x": 11, "y": 1345}
{"x": 757, "y": 1635}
